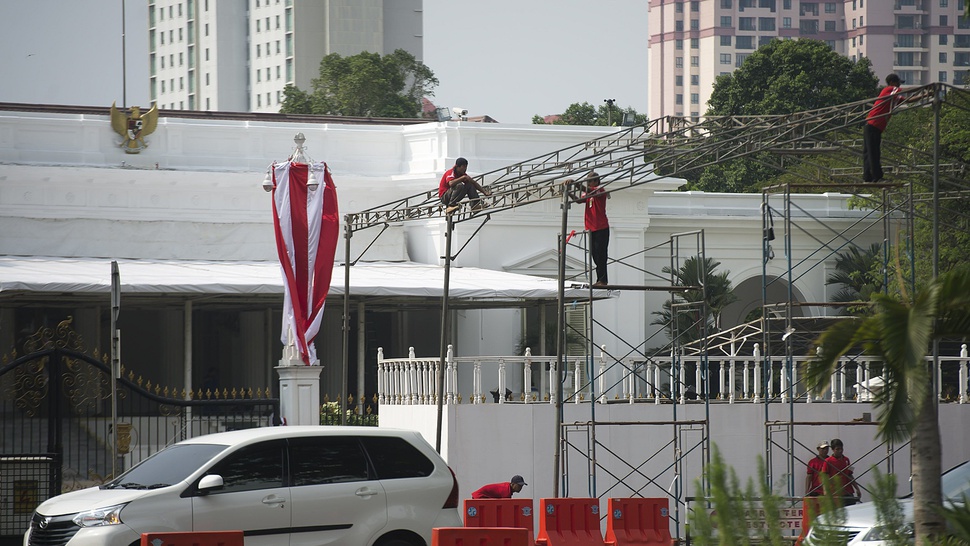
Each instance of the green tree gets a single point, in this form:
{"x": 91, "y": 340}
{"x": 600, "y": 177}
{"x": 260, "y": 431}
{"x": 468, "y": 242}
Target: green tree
{"x": 859, "y": 272}
{"x": 781, "y": 77}
{"x": 586, "y": 114}
{"x": 900, "y": 334}
{"x": 365, "y": 84}
{"x": 715, "y": 291}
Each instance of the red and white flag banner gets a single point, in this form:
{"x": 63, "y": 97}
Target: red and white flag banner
{"x": 307, "y": 224}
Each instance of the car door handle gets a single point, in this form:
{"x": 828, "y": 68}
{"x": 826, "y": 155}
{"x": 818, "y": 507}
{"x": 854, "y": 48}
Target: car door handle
{"x": 364, "y": 492}
{"x": 273, "y": 499}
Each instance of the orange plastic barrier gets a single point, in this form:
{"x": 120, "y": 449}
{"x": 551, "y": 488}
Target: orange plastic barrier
{"x": 500, "y": 513}
{"x": 810, "y": 509}
{"x": 201, "y": 538}
{"x": 569, "y": 522}
{"x": 638, "y": 521}
{"x": 480, "y": 536}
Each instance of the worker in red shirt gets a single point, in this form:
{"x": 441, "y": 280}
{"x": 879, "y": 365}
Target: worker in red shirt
{"x": 595, "y": 221}
{"x": 876, "y": 122}
{"x": 455, "y": 185}
{"x": 503, "y": 490}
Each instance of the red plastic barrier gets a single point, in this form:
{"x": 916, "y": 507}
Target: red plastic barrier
{"x": 200, "y": 538}
{"x": 569, "y": 522}
{"x": 637, "y": 522}
{"x": 480, "y": 536}
{"x": 500, "y": 513}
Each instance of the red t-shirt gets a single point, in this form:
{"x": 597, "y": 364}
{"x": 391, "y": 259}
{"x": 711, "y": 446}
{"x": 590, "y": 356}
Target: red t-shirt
{"x": 879, "y": 115}
{"x": 445, "y": 179}
{"x": 816, "y": 467}
{"x": 595, "y": 217}
{"x": 494, "y": 491}
{"x": 841, "y": 471}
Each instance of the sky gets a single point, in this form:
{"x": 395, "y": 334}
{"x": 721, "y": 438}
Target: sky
{"x": 509, "y": 59}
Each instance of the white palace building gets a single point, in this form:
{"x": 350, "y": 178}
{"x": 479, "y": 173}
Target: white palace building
{"x": 191, "y": 229}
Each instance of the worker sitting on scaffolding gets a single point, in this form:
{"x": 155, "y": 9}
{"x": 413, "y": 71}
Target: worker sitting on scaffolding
{"x": 455, "y": 185}
{"x": 589, "y": 191}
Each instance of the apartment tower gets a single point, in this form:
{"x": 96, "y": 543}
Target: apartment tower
{"x": 694, "y": 41}
{"x": 238, "y": 55}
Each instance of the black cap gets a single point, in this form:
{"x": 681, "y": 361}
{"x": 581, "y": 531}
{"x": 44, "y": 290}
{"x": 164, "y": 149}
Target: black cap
{"x": 518, "y": 479}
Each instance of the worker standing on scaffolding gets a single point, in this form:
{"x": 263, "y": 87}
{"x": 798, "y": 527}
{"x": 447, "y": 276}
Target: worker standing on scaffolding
{"x": 876, "y": 121}
{"x": 589, "y": 191}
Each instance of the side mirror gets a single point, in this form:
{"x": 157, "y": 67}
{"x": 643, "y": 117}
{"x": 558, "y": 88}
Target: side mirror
{"x": 209, "y": 483}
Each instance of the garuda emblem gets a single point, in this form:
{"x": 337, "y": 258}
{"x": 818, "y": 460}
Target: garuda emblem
{"x": 134, "y": 126}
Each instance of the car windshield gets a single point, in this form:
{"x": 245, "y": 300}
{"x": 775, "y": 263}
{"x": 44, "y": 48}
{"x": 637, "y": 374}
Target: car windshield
{"x": 955, "y": 482}
{"x": 169, "y": 466}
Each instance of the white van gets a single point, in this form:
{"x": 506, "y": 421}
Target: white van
{"x": 290, "y": 486}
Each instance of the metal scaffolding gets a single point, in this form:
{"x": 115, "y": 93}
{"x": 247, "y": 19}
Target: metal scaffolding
{"x": 817, "y": 150}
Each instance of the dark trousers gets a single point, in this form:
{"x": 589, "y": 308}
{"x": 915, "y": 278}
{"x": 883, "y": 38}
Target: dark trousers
{"x": 871, "y": 154}
{"x": 599, "y": 243}
{"x": 456, "y": 193}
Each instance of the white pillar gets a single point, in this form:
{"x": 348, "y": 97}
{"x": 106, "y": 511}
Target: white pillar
{"x": 299, "y": 392}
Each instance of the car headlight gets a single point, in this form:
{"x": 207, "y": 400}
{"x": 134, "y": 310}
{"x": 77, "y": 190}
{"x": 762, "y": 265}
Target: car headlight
{"x": 110, "y": 515}
{"x": 887, "y": 533}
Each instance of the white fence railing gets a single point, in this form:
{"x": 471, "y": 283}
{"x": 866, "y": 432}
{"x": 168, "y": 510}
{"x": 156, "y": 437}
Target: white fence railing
{"x": 736, "y": 378}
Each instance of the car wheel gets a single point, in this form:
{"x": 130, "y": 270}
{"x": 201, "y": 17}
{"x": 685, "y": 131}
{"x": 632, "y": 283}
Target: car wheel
{"x": 394, "y": 542}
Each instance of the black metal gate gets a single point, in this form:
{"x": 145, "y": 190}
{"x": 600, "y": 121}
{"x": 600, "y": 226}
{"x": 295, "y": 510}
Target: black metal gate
{"x": 57, "y": 433}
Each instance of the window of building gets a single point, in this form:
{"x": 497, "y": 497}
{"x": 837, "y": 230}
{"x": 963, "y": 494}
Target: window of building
{"x": 207, "y": 78}
{"x": 171, "y": 36}
{"x": 678, "y": 25}
{"x": 943, "y": 39}
{"x": 960, "y": 77}
{"x": 180, "y": 35}
{"x": 943, "y": 20}
{"x": 746, "y": 23}
{"x": 695, "y": 24}
{"x": 277, "y": 47}
{"x": 207, "y": 103}
{"x": 942, "y": 77}
{"x": 679, "y": 99}
{"x": 786, "y": 22}
{"x": 963, "y": 22}
{"x": 808, "y": 8}
{"x": 207, "y": 54}
{"x": 695, "y": 43}
{"x": 259, "y": 50}
{"x": 726, "y": 4}
{"x": 259, "y": 76}
{"x": 277, "y": 72}
{"x": 943, "y": 57}
{"x": 679, "y": 81}
{"x": 162, "y": 35}
{"x": 745, "y": 4}
{"x": 830, "y": 7}
{"x": 257, "y": 25}
{"x": 163, "y": 86}
{"x": 862, "y": 38}
{"x": 726, "y": 21}
{"x": 726, "y": 41}
{"x": 161, "y": 14}
{"x": 695, "y": 60}
{"x": 163, "y": 61}
{"x": 267, "y": 24}
{"x": 171, "y": 62}
{"x": 695, "y": 98}
{"x": 259, "y": 100}
{"x": 181, "y": 59}
{"x": 853, "y": 42}
{"x": 269, "y": 73}
{"x": 904, "y": 59}
{"x": 695, "y": 5}
{"x": 831, "y": 44}
{"x": 678, "y": 44}
{"x": 267, "y": 99}
{"x": 862, "y": 20}
{"x": 766, "y": 23}
{"x": 944, "y": 3}
{"x": 170, "y": 12}
{"x": 739, "y": 58}
{"x": 829, "y": 26}
{"x": 695, "y": 79}
{"x": 207, "y": 29}
{"x": 961, "y": 58}
{"x": 808, "y": 26}
{"x": 181, "y": 83}
{"x": 744, "y": 42}
{"x": 770, "y": 4}
{"x": 725, "y": 58}
{"x": 786, "y": 4}
{"x": 679, "y": 62}
{"x": 277, "y": 22}
{"x": 904, "y": 22}
{"x": 762, "y": 40}
{"x": 678, "y": 8}
{"x": 853, "y": 22}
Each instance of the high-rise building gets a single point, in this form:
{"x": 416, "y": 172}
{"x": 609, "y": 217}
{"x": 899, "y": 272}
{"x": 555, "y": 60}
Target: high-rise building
{"x": 238, "y": 55}
{"x": 694, "y": 41}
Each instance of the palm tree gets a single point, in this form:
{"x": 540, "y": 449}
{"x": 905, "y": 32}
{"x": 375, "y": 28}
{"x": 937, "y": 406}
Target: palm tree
{"x": 715, "y": 290}
{"x": 901, "y": 333}
{"x": 857, "y": 271}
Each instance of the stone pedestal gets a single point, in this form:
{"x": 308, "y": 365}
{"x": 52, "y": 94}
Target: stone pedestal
{"x": 299, "y": 392}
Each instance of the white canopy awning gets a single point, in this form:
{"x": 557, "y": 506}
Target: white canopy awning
{"x": 39, "y": 275}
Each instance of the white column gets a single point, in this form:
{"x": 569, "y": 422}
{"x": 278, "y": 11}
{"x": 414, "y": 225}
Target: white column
{"x": 299, "y": 393}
